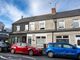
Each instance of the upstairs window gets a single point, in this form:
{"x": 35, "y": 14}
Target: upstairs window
{"x": 42, "y": 25}
{"x": 61, "y": 24}
{"x": 31, "y": 26}
{"x": 26, "y": 27}
{"x": 18, "y": 28}
{"x": 76, "y": 23}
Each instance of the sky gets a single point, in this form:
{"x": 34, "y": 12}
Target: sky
{"x": 12, "y": 10}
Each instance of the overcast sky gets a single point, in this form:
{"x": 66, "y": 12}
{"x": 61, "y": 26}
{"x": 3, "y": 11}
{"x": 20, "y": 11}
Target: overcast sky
{"x": 12, "y": 10}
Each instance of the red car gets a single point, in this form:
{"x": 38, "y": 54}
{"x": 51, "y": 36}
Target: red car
{"x": 25, "y": 49}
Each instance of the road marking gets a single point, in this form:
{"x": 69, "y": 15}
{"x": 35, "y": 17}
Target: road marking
{"x": 17, "y": 55}
{"x": 3, "y": 57}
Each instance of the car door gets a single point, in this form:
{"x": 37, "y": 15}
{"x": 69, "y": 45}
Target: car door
{"x": 24, "y": 48}
{"x": 18, "y": 48}
{"x": 69, "y": 49}
{"x": 58, "y": 49}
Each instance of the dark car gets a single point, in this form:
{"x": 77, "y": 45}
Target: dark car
{"x": 62, "y": 49}
{"x": 25, "y": 49}
{"x": 4, "y": 47}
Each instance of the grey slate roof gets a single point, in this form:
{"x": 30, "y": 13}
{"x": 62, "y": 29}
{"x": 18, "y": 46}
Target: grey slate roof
{"x": 50, "y": 16}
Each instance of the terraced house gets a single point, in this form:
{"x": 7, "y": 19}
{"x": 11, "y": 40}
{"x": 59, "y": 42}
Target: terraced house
{"x": 54, "y": 27}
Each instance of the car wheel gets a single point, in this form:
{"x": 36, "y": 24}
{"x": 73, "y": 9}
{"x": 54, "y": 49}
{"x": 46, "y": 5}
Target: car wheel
{"x": 31, "y": 53}
{"x": 0, "y": 49}
{"x": 50, "y": 54}
{"x": 79, "y": 57}
{"x": 12, "y": 51}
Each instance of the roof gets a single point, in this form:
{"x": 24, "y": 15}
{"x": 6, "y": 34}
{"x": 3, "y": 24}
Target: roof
{"x": 50, "y": 16}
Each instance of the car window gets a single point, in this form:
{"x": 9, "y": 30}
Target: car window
{"x": 4, "y": 44}
{"x": 57, "y": 45}
{"x": 50, "y": 45}
{"x": 18, "y": 44}
{"x": 67, "y": 46}
{"x": 23, "y": 44}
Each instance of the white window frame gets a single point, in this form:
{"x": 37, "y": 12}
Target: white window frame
{"x": 42, "y": 34}
{"x": 62, "y": 21}
{"x": 40, "y": 44}
{"x": 63, "y": 38}
{"x": 74, "y": 21}
{"x": 26, "y": 27}
{"x": 17, "y": 28}
{"x": 32, "y": 26}
{"x": 41, "y": 26}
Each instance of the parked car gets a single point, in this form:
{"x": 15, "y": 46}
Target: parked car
{"x": 62, "y": 49}
{"x": 4, "y": 47}
{"x": 25, "y": 49}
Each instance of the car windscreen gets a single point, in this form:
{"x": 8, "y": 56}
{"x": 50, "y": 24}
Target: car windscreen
{"x": 50, "y": 45}
{"x": 2, "y": 44}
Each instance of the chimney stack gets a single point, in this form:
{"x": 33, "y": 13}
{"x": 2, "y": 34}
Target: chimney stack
{"x": 21, "y": 17}
{"x": 53, "y": 10}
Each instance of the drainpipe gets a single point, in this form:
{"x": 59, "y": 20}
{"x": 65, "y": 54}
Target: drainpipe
{"x": 55, "y": 22}
{"x": 52, "y": 37}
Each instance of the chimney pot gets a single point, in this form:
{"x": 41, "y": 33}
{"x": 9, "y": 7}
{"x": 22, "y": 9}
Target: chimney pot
{"x": 53, "y": 10}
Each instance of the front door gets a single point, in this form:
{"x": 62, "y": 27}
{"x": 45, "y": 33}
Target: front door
{"x": 24, "y": 39}
{"x": 78, "y": 40}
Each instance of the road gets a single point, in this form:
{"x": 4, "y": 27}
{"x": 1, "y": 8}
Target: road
{"x": 9, "y": 56}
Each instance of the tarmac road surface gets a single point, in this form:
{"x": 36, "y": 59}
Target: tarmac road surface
{"x": 9, "y": 56}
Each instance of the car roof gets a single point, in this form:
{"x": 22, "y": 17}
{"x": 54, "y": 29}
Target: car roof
{"x": 58, "y": 43}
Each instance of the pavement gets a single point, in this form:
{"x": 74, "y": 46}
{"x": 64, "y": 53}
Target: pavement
{"x": 9, "y": 56}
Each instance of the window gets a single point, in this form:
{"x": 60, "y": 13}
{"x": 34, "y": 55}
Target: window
{"x": 76, "y": 23}
{"x": 64, "y": 39}
{"x": 65, "y": 36}
{"x": 57, "y": 45}
{"x": 18, "y": 44}
{"x": 78, "y": 39}
{"x": 12, "y": 40}
{"x": 23, "y": 44}
{"x": 29, "y": 39}
{"x": 42, "y": 24}
{"x": 67, "y": 46}
{"x": 77, "y": 35}
{"x": 31, "y": 26}
{"x": 18, "y": 28}
{"x": 61, "y": 24}
{"x": 58, "y": 36}
{"x": 40, "y": 40}
{"x": 16, "y": 39}
{"x": 26, "y": 27}
{"x": 50, "y": 45}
